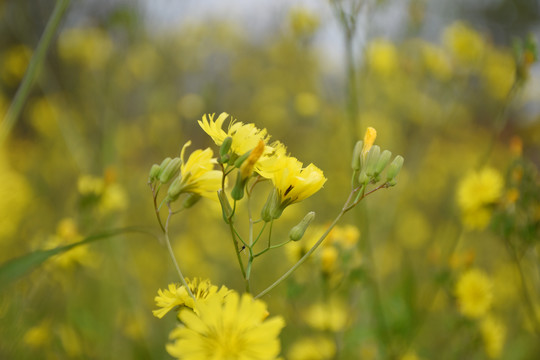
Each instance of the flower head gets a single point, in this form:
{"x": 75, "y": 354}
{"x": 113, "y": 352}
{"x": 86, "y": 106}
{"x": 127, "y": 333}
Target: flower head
{"x": 474, "y": 292}
{"x": 197, "y": 175}
{"x": 227, "y": 328}
{"x": 493, "y": 333}
{"x": 176, "y": 295}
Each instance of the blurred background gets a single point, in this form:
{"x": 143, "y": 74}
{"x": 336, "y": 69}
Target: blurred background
{"x": 451, "y": 86}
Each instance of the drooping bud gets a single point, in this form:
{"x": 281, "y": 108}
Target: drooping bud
{"x": 167, "y": 173}
{"x": 268, "y": 209}
{"x": 190, "y": 200}
{"x": 237, "y": 192}
{"x": 224, "y": 149}
{"x": 394, "y": 168}
{"x": 297, "y": 232}
{"x": 372, "y": 160}
{"x": 226, "y": 209}
{"x": 384, "y": 159}
{"x": 154, "y": 172}
{"x": 356, "y": 162}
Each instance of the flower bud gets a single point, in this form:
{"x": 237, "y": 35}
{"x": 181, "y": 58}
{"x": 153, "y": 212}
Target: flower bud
{"x": 237, "y": 192}
{"x": 372, "y": 159}
{"x": 226, "y": 209}
{"x": 363, "y": 179}
{"x": 357, "y": 153}
{"x": 297, "y": 232}
{"x": 225, "y": 146}
{"x": 384, "y": 159}
{"x": 271, "y": 202}
{"x": 190, "y": 200}
{"x": 154, "y": 172}
{"x": 238, "y": 162}
{"x": 167, "y": 173}
{"x": 394, "y": 168}
{"x": 175, "y": 189}
{"x": 369, "y": 139}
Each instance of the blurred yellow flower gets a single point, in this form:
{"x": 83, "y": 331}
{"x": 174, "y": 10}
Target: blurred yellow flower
{"x": 464, "y": 43}
{"x": 14, "y": 64}
{"x": 329, "y": 256}
{"x": 330, "y": 315}
{"x": 312, "y": 348}
{"x": 476, "y": 191}
{"x": 227, "y": 328}
{"x": 38, "y": 335}
{"x": 306, "y": 104}
{"x": 382, "y": 57}
{"x": 436, "y": 61}
{"x": 410, "y": 355}
{"x": 474, "y": 292}
{"x": 176, "y": 295}
{"x": 493, "y": 333}
{"x": 499, "y": 70}
{"x": 303, "y": 22}
{"x": 90, "y": 47}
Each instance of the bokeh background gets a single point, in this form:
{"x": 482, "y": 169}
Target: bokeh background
{"x": 451, "y": 86}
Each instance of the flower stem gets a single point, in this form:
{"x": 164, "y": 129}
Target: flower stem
{"x": 21, "y": 95}
{"x": 171, "y": 253}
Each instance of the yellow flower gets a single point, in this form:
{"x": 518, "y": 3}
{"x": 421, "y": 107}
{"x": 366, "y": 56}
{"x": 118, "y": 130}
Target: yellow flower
{"x": 245, "y": 136}
{"x": 176, "y": 295}
{"x": 293, "y": 182}
{"x": 382, "y": 57}
{"x": 369, "y": 139}
{"x": 197, "y": 174}
{"x": 476, "y": 191}
{"x": 493, "y": 333}
{"x": 317, "y": 348}
{"x": 90, "y": 47}
{"x": 331, "y": 315}
{"x": 499, "y": 71}
{"x": 474, "y": 292}
{"x": 436, "y": 61}
{"x": 465, "y": 43}
{"x": 38, "y": 335}
{"x": 227, "y": 328}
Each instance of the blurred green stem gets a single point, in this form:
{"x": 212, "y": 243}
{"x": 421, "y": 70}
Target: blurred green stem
{"x": 171, "y": 252}
{"x": 34, "y": 66}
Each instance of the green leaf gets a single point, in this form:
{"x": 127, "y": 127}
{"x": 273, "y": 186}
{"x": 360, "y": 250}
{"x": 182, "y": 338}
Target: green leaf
{"x": 14, "y": 269}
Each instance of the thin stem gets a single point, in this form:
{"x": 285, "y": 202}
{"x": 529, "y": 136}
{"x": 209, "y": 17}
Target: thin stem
{"x": 308, "y": 254}
{"x": 260, "y": 234}
{"x": 154, "y": 196}
{"x": 171, "y": 253}
{"x": 236, "y": 249}
{"x": 272, "y": 247}
{"x": 34, "y": 66}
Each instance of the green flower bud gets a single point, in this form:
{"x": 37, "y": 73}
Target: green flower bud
{"x": 394, "y": 168}
{"x": 241, "y": 159}
{"x": 175, "y": 189}
{"x": 357, "y": 155}
{"x": 372, "y": 159}
{"x": 225, "y": 146}
{"x": 297, "y": 232}
{"x": 363, "y": 178}
{"x": 226, "y": 209}
{"x": 384, "y": 159}
{"x": 154, "y": 172}
{"x": 165, "y": 162}
{"x": 237, "y": 192}
{"x": 170, "y": 170}
{"x": 268, "y": 209}
{"x": 190, "y": 200}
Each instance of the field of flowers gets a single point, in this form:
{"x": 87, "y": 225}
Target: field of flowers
{"x": 203, "y": 192}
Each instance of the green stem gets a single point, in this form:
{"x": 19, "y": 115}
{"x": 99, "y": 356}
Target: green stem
{"x": 171, "y": 253}
{"x": 34, "y": 66}
{"x": 308, "y": 254}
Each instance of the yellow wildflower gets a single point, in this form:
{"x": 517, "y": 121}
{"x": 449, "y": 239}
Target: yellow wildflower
{"x": 493, "y": 333}
{"x": 197, "y": 174}
{"x": 464, "y": 43}
{"x": 176, "y": 295}
{"x": 382, "y": 57}
{"x": 474, "y": 292}
{"x": 499, "y": 71}
{"x": 331, "y": 315}
{"x": 476, "y": 192}
{"x": 293, "y": 182}
{"x": 15, "y": 62}
{"x": 436, "y": 61}
{"x": 369, "y": 139}
{"x": 90, "y": 47}
{"x": 227, "y": 328}
{"x": 317, "y": 348}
